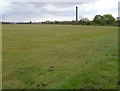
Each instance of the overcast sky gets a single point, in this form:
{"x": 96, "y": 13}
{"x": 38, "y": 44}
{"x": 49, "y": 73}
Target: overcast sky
{"x": 39, "y": 10}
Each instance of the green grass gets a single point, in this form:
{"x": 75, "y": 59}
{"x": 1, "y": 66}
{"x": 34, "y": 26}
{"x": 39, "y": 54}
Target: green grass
{"x": 59, "y": 57}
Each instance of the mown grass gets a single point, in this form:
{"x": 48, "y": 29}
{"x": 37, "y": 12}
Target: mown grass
{"x": 60, "y": 57}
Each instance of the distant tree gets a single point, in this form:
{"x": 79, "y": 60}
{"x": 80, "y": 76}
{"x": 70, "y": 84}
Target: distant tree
{"x": 88, "y": 23}
{"x": 48, "y": 22}
{"x": 98, "y": 19}
{"x": 109, "y": 19}
{"x": 56, "y": 22}
{"x": 42, "y": 22}
{"x": 73, "y": 22}
{"x": 104, "y": 20}
{"x": 84, "y": 21}
{"x": 30, "y": 22}
{"x": 117, "y": 22}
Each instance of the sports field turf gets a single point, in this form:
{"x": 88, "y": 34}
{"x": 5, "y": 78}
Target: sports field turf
{"x": 37, "y": 56}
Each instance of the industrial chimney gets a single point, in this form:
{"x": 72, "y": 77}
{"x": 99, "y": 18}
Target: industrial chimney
{"x": 76, "y": 13}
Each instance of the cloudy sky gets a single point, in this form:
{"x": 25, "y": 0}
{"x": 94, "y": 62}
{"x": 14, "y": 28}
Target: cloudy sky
{"x": 41, "y": 10}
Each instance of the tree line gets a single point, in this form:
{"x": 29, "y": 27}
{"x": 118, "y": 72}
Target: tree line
{"x": 106, "y": 19}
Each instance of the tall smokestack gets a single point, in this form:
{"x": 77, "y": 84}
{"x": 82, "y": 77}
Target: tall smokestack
{"x": 76, "y": 13}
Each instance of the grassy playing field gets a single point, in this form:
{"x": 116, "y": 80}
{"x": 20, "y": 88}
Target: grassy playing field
{"x": 59, "y": 56}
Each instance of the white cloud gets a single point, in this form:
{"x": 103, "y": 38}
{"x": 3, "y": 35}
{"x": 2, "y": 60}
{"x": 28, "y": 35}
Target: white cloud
{"x": 4, "y": 4}
{"x": 54, "y": 8}
{"x": 53, "y": 11}
{"x": 52, "y": 0}
{"x": 101, "y": 7}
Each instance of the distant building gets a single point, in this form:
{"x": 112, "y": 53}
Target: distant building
{"x": 76, "y": 13}
{"x": 118, "y": 18}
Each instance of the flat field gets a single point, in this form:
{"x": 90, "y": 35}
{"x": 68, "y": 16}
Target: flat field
{"x": 59, "y": 56}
